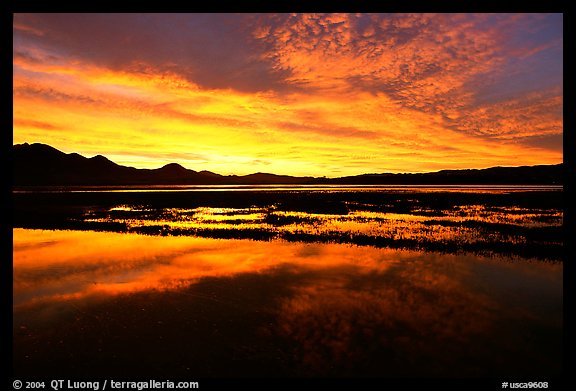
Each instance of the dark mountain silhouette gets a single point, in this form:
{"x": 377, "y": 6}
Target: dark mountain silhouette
{"x": 42, "y": 165}
{"x": 541, "y": 174}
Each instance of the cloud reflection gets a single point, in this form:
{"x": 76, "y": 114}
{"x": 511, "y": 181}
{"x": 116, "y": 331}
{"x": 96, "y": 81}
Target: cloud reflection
{"x": 58, "y": 265}
{"x": 332, "y": 310}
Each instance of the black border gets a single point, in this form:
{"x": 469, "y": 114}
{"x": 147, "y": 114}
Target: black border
{"x": 569, "y": 267}
{"x": 289, "y": 6}
{"x": 293, "y": 6}
{"x": 6, "y": 19}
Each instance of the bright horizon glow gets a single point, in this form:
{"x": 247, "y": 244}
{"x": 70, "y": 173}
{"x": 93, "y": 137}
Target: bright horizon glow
{"x": 303, "y": 95}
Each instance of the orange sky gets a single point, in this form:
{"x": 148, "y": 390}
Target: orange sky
{"x": 303, "y": 94}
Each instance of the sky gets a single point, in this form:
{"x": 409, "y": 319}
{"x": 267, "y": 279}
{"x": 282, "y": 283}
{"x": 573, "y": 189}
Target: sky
{"x": 296, "y": 94}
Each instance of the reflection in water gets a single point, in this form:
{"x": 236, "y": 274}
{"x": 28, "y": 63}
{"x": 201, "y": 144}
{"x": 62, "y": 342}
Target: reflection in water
{"x": 497, "y": 221}
{"x": 58, "y": 265}
{"x": 492, "y": 189}
{"x": 471, "y": 227}
{"x": 208, "y": 307}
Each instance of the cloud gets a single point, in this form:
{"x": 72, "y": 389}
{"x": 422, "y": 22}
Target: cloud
{"x": 430, "y": 63}
{"x": 210, "y": 49}
{"x": 34, "y": 124}
{"x": 397, "y": 51}
{"x": 309, "y": 94}
{"x": 535, "y": 114}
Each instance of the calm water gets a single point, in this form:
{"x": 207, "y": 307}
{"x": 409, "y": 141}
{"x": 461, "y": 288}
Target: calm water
{"x": 289, "y": 188}
{"x": 324, "y": 281}
{"x": 489, "y": 220}
{"x": 111, "y": 303}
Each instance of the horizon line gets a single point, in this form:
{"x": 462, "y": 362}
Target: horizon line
{"x": 288, "y": 175}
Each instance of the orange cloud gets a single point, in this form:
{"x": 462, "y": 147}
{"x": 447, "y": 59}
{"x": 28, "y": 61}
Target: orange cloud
{"x": 363, "y": 93}
{"x": 536, "y": 114}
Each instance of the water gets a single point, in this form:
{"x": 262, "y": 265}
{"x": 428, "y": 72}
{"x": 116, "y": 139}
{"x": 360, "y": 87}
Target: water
{"x": 497, "y": 221}
{"x": 288, "y": 282}
{"x": 289, "y": 188}
{"x": 101, "y": 302}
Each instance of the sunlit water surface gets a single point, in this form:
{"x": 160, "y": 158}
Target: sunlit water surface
{"x": 111, "y": 303}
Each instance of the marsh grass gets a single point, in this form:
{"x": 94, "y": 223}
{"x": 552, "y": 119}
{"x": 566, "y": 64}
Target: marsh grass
{"x": 525, "y": 224}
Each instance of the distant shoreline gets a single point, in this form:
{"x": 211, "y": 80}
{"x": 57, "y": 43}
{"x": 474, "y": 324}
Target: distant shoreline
{"x": 279, "y": 188}
{"x": 43, "y": 165}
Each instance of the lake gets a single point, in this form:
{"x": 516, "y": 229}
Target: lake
{"x": 288, "y": 282}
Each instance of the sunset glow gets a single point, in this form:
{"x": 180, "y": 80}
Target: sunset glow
{"x": 303, "y": 94}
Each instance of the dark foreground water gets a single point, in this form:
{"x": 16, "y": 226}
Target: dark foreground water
{"x": 419, "y": 282}
{"x": 118, "y": 304}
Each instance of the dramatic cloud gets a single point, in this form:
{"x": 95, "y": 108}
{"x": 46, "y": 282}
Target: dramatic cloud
{"x": 296, "y": 94}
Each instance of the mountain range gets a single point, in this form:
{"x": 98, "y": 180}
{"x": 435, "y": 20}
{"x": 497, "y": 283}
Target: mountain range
{"x": 42, "y": 165}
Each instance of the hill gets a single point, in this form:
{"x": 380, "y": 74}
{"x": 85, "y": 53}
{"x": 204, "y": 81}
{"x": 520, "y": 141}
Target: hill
{"x": 42, "y": 165}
